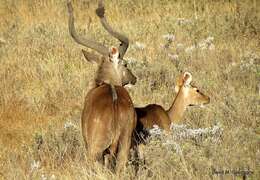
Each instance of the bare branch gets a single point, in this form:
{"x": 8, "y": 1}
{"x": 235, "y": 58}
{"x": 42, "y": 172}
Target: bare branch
{"x": 84, "y": 41}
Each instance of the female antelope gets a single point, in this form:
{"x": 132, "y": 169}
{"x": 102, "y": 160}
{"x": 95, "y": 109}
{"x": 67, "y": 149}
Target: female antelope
{"x": 153, "y": 114}
{"x": 187, "y": 95}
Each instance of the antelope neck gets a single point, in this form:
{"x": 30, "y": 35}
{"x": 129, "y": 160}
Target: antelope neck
{"x": 178, "y": 106}
{"x": 109, "y": 74}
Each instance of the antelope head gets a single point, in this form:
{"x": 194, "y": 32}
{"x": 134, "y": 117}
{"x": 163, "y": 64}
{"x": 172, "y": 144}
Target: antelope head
{"x": 191, "y": 94}
{"x": 112, "y": 69}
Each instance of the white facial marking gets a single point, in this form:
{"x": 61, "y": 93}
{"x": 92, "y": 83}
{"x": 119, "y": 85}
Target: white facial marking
{"x": 114, "y": 57}
{"x": 128, "y": 86}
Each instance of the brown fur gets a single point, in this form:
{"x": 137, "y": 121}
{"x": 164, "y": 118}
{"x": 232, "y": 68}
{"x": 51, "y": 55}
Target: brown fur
{"x": 108, "y": 118}
{"x": 187, "y": 95}
{"x": 107, "y": 126}
{"x": 108, "y": 73}
{"x": 154, "y": 114}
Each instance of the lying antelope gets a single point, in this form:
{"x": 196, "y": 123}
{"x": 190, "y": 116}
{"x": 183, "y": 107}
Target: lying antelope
{"x": 187, "y": 95}
{"x": 108, "y": 118}
{"x": 153, "y": 114}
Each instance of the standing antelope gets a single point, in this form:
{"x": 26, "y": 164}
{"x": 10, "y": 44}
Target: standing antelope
{"x": 187, "y": 95}
{"x": 108, "y": 118}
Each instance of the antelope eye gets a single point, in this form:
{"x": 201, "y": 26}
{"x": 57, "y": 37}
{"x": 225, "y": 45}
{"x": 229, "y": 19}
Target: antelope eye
{"x": 197, "y": 90}
{"x": 123, "y": 63}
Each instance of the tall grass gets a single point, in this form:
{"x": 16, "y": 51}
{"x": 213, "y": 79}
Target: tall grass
{"x": 44, "y": 78}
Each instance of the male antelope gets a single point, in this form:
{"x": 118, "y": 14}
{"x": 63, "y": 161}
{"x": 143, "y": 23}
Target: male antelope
{"x": 187, "y": 95}
{"x": 108, "y": 118}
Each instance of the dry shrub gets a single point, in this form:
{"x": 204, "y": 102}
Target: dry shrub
{"x": 44, "y": 78}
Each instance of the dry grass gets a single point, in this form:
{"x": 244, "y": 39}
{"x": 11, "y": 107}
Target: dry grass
{"x": 44, "y": 78}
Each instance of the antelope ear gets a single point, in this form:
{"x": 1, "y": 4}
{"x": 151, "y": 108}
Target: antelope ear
{"x": 179, "y": 83}
{"x": 114, "y": 55}
{"x": 187, "y": 78}
{"x": 91, "y": 57}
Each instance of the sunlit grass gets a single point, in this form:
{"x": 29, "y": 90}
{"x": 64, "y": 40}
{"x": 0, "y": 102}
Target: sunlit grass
{"x": 44, "y": 79}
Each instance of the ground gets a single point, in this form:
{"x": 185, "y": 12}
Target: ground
{"x": 44, "y": 80}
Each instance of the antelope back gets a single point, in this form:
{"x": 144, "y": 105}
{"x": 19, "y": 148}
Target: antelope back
{"x": 107, "y": 125}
